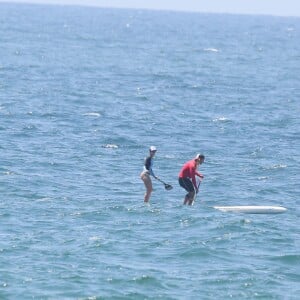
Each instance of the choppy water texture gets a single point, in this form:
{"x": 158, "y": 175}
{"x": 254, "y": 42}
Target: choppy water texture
{"x": 85, "y": 91}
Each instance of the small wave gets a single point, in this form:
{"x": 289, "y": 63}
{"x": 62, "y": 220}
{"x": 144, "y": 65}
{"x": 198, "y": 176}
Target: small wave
{"x": 211, "y": 50}
{"x": 95, "y": 238}
{"x": 92, "y": 114}
{"x": 275, "y": 167}
{"x": 290, "y": 259}
{"x": 146, "y": 279}
{"x": 44, "y": 199}
{"x": 170, "y": 156}
{"x": 263, "y": 178}
{"x": 221, "y": 119}
{"x": 197, "y": 252}
{"x": 30, "y": 127}
{"x": 279, "y": 166}
{"x": 8, "y": 172}
{"x": 111, "y": 146}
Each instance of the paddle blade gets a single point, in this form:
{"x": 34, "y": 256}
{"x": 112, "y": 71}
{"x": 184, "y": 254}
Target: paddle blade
{"x": 168, "y": 187}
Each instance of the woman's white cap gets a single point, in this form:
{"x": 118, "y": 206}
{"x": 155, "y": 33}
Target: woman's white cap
{"x": 152, "y": 148}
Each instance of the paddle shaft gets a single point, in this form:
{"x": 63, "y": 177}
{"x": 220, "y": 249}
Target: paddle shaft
{"x": 167, "y": 186}
{"x": 196, "y": 192}
{"x": 160, "y": 180}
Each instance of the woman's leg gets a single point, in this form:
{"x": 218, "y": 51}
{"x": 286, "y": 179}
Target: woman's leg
{"x": 148, "y": 184}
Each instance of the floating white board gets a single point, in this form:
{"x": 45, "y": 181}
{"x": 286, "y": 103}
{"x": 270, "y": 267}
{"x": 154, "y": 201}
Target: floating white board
{"x": 252, "y": 209}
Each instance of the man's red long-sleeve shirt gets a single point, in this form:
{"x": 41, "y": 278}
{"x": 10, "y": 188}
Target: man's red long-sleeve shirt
{"x": 189, "y": 170}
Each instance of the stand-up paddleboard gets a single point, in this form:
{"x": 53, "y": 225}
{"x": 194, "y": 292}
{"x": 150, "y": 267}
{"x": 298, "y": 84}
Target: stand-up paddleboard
{"x": 252, "y": 209}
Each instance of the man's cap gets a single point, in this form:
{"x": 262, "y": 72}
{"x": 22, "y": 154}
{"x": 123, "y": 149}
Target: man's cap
{"x": 198, "y": 156}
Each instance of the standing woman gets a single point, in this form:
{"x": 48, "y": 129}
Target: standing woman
{"x": 147, "y": 172}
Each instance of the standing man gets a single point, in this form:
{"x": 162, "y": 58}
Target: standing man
{"x": 187, "y": 178}
{"x": 147, "y": 172}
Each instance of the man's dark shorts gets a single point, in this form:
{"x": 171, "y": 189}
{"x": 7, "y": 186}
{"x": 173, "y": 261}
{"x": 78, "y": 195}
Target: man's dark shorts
{"x": 187, "y": 184}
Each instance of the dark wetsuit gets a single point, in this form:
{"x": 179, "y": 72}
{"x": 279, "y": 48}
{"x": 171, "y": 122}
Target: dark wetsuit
{"x": 148, "y": 166}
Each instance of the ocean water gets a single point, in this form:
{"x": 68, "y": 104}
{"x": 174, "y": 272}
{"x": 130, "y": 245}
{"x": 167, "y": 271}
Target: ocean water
{"x": 85, "y": 91}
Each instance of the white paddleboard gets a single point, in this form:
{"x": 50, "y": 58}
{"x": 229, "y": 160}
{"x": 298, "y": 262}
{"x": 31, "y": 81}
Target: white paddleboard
{"x": 252, "y": 209}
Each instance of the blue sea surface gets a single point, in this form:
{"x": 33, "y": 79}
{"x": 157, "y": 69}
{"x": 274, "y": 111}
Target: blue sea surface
{"x": 85, "y": 91}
